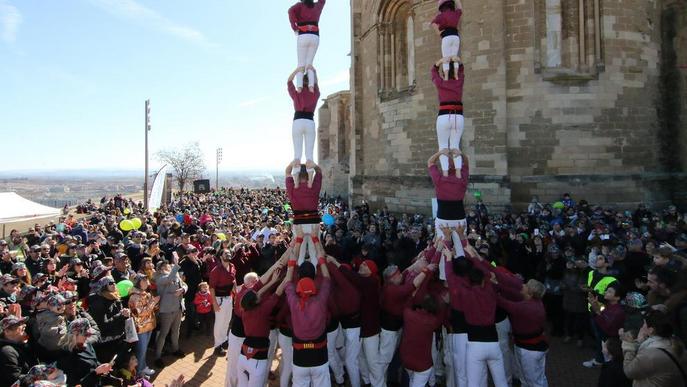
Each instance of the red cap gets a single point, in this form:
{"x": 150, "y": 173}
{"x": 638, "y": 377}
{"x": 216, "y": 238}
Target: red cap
{"x": 372, "y": 266}
{"x": 306, "y": 287}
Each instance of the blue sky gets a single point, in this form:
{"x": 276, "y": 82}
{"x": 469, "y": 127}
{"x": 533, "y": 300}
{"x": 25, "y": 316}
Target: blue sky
{"x": 74, "y": 75}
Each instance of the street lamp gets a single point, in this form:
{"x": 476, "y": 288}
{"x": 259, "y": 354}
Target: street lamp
{"x": 145, "y": 181}
{"x": 219, "y": 159}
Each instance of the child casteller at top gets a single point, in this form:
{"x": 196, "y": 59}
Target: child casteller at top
{"x": 304, "y": 18}
{"x": 446, "y": 25}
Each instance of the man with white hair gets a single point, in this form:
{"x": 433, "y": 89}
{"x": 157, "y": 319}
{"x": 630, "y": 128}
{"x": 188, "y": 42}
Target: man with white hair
{"x": 523, "y": 302}
{"x": 395, "y": 295}
{"x": 251, "y": 281}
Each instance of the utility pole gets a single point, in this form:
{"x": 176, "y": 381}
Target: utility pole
{"x": 219, "y": 159}
{"x": 145, "y": 181}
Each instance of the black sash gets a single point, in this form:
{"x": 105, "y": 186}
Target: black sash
{"x": 450, "y": 209}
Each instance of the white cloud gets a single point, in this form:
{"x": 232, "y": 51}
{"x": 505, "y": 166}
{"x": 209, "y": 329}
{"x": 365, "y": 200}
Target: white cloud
{"x": 10, "y": 19}
{"x": 132, "y": 10}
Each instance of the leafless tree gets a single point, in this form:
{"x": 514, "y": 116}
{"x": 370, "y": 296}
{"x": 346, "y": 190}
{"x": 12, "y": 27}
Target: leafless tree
{"x": 187, "y": 163}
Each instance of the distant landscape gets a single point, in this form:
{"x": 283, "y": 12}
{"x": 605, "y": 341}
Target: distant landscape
{"x": 59, "y": 187}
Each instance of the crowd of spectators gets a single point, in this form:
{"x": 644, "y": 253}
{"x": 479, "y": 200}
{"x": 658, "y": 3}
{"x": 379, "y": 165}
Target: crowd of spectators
{"x": 72, "y": 290}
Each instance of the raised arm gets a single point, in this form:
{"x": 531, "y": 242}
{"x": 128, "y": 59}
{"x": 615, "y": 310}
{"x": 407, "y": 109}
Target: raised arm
{"x": 321, "y": 259}
{"x": 293, "y": 19}
{"x": 465, "y": 170}
{"x": 433, "y": 158}
{"x": 288, "y": 170}
{"x": 437, "y": 78}
{"x": 290, "y": 87}
{"x": 277, "y": 265}
{"x": 273, "y": 280}
{"x": 293, "y": 75}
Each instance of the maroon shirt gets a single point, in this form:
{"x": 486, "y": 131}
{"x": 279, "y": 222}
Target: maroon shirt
{"x": 416, "y": 340}
{"x": 369, "y": 288}
{"x": 310, "y": 321}
{"x": 448, "y": 19}
{"x": 283, "y": 317}
{"x": 450, "y": 187}
{"x": 346, "y": 297}
{"x": 300, "y": 13}
{"x": 477, "y": 302}
{"x": 305, "y": 101}
{"x": 222, "y": 280}
{"x": 238, "y": 311}
{"x": 527, "y": 317}
{"x": 449, "y": 90}
{"x": 304, "y": 198}
{"x": 256, "y": 322}
{"x": 395, "y": 297}
{"x": 611, "y": 320}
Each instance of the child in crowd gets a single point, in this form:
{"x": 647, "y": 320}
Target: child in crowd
{"x": 203, "y": 303}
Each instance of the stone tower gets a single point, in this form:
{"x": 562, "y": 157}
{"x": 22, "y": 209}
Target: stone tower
{"x": 579, "y": 96}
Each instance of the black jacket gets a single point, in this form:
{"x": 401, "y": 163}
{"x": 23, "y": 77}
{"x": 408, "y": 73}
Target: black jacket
{"x": 15, "y": 360}
{"x": 107, "y": 314}
{"x": 612, "y": 375}
{"x": 79, "y": 365}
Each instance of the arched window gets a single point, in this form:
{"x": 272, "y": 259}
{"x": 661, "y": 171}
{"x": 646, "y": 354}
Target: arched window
{"x": 569, "y": 36}
{"x": 396, "y": 46}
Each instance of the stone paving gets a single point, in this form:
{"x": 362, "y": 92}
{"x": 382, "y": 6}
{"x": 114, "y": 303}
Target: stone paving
{"x": 202, "y": 368}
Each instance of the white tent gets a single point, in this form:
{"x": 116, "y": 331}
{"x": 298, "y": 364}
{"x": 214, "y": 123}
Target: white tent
{"x": 14, "y": 208}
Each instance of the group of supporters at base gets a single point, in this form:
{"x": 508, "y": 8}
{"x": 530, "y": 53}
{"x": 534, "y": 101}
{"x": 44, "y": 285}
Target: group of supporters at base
{"x": 599, "y": 277}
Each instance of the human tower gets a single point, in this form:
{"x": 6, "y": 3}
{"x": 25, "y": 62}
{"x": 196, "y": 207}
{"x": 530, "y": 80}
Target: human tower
{"x": 450, "y": 177}
{"x": 311, "y": 344}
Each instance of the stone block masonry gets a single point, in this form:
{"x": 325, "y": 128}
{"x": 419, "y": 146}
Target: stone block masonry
{"x": 584, "y": 109}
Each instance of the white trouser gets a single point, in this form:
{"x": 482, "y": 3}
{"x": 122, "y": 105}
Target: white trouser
{"x": 455, "y": 238}
{"x": 532, "y": 365}
{"x": 370, "y": 366}
{"x": 307, "y": 48}
{"x": 272, "y": 350}
{"x": 286, "y": 364}
{"x": 418, "y": 379}
{"x": 450, "y": 46}
{"x": 447, "y": 356}
{"x": 388, "y": 342}
{"x": 459, "y": 349}
{"x": 449, "y": 131}
{"x": 335, "y": 361}
{"x": 480, "y": 356}
{"x": 303, "y": 130}
{"x": 309, "y": 230}
{"x": 222, "y": 319}
{"x": 503, "y": 331}
{"x": 352, "y": 352}
{"x": 233, "y": 351}
{"x": 438, "y": 368}
{"x": 252, "y": 372}
{"x": 311, "y": 376}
